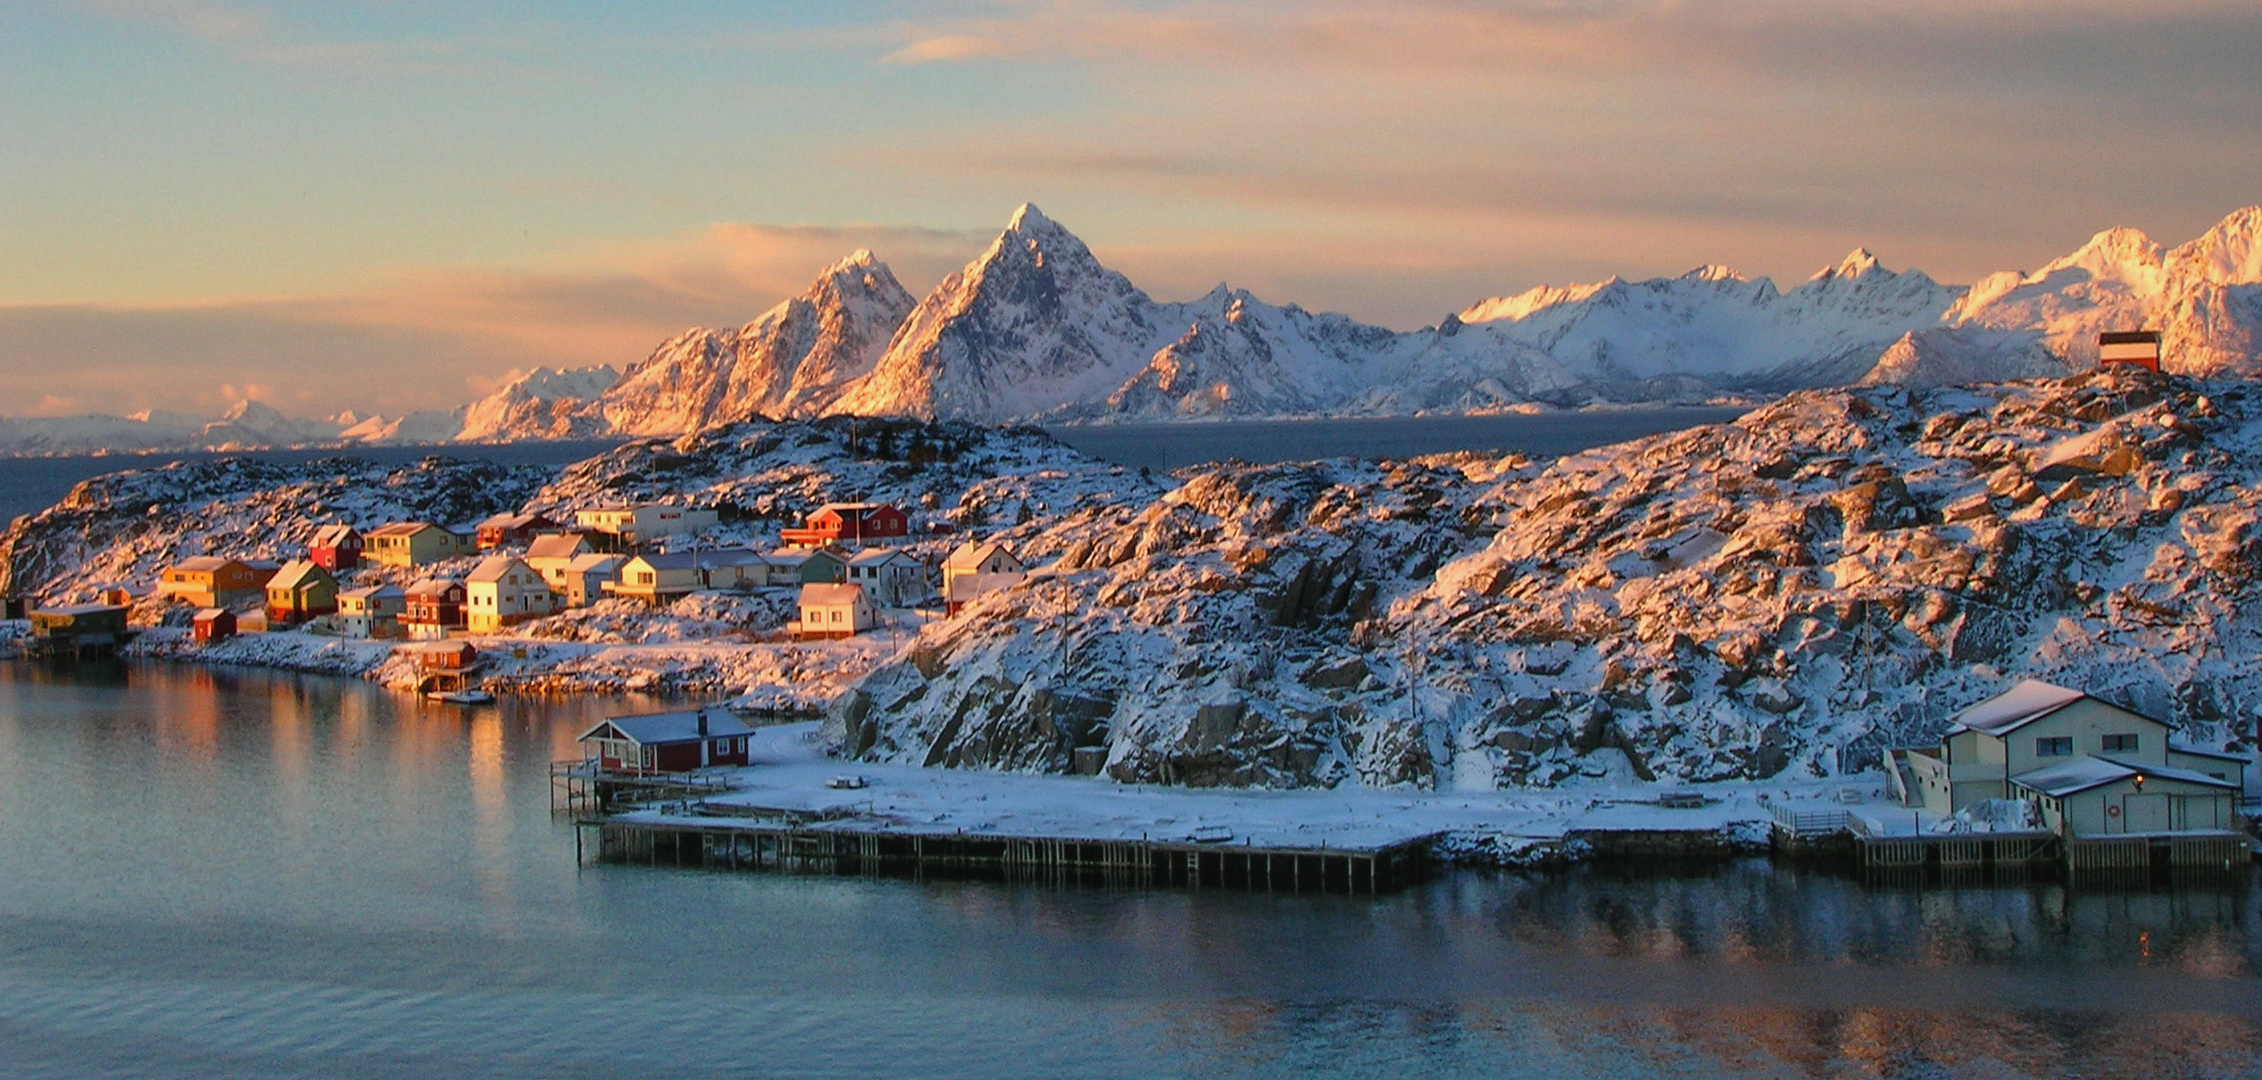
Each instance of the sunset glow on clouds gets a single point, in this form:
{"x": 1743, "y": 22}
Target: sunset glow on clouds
{"x": 413, "y": 199}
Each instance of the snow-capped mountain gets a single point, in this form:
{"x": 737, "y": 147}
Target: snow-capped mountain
{"x": 794, "y": 360}
{"x": 1037, "y": 328}
{"x": 541, "y": 404}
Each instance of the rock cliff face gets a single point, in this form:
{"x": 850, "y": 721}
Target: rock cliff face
{"x": 1795, "y": 591}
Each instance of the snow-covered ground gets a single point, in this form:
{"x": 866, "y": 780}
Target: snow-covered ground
{"x": 793, "y": 768}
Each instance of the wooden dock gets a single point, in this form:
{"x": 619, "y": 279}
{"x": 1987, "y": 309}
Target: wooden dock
{"x": 1832, "y": 833}
{"x": 851, "y": 847}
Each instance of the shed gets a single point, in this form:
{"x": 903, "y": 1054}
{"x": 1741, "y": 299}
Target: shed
{"x": 835, "y": 611}
{"x": 668, "y": 742}
{"x": 213, "y": 624}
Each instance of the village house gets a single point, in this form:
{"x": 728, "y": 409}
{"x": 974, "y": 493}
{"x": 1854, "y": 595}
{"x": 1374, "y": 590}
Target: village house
{"x": 807, "y": 566}
{"x": 212, "y": 624}
{"x": 626, "y": 526}
{"x": 835, "y": 611}
{"x": 583, "y": 580}
{"x": 446, "y": 665}
{"x": 300, "y": 591}
{"x": 504, "y": 529}
{"x": 502, "y": 591}
{"x": 432, "y": 607}
{"x": 2092, "y": 767}
{"x": 74, "y": 629}
{"x": 667, "y": 742}
{"x": 373, "y": 611}
{"x": 734, "y": 568}
{"x": 335, "y": 547}
{"x": 657, "y": 579}
{"x": 552, "y": 553}
{"x": 889, "y": 576}
{"x": 414, "y": 543}
{"x": 212, "y": 581}
{"x": 851, "y": 525}
{"x": 974, "y": 569}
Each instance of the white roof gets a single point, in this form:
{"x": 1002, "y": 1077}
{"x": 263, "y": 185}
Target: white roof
{"x": 831, "y": 595}
{"x": 2030, "y": 700}
{"x": 658, "y": 729}
{"x": 868, "y": 556}
{"x": 2084, "y": 773}
{"x": 296, "y": 573}
{"x": 493, "y": 567}
{"x": 593, "y": 561}
{"x": 972, "y": 554}
{"x": 556, "y": 545}
{"x": 372, "y": 592}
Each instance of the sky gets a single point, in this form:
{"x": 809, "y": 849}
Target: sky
{"x": 386, "y": 205}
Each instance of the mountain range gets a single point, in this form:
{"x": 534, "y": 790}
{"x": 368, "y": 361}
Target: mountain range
{"x": 1036, "y": 328}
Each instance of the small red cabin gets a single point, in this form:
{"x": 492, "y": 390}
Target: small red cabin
{"x": 2137, "y": 347}
{"x": 335, "y": 548}
{"x": 447, "y": 656}
{"x": 850, "y": 523}
{"x": 668, "y": 742}
{"x": 213, "y": 624}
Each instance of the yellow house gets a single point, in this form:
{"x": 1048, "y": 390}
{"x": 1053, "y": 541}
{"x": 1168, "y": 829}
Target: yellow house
{"x": 415, "y": 543}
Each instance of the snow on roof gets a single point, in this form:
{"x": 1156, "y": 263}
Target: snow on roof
{"x": 2084, "y": 773}
{"x": 493, "y": 567}
{"x": 373, "y": 592}
{"x": 971, "y": 555}
{"x": 868, "y": 556}
{"x": 2030, "y": 700}
{"x": 594, "y": 561}
{"x": 401, "y": 528}
{"x": 211, "y": 613}
{"x": 660, "y": 729}
{"x": 331, "y": 535}
{"x": 75, "y": 610}
{"x": 202, "y": 563}
{"x": 831, "y": 595}
{"x": 297, "y": 573}
{"x": 432, "y": 586}
{"x": 511, "y": 521}
{"x": 556, "y": 546}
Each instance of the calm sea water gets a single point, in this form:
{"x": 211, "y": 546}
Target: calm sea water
{"x": 217, "y": 873}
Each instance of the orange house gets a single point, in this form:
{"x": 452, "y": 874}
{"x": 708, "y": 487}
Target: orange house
{"x": 211, "y": 581}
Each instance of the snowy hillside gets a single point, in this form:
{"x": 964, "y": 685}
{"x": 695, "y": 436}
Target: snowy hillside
{"x": 1794, "y": 591}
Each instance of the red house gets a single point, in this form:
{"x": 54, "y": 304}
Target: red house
{"x": 511, "y": 529}
{"x": 849, "y": 523}
{"x": 667, "y": 742}
{"x": 2138, "y": 347}
{"x": 335, "y": 548}
{"x": 433, "y": 607}
{"x": 213, "y": 624}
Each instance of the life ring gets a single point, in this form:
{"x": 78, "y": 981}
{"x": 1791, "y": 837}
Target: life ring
{"x": 2112, "y": 811}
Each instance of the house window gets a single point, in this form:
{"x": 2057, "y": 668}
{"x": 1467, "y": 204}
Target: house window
{"x": 2054, "y": 746}
{"x": 2123, "y": 744}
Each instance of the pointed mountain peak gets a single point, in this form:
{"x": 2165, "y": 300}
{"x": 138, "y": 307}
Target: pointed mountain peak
{"x": 1712, "y": 272}
{"x": 1858, "y": 262}
{"x": 859, "y": 259}
{"x": 1030, "y": 219}
{"x": 2228, "y": 254}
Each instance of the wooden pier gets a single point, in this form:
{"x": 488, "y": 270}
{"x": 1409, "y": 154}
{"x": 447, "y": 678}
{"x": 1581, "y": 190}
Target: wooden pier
{"x": 1832, "y": 833}
{"x": 845, "y": 847}
{"x": 581, "y": 788}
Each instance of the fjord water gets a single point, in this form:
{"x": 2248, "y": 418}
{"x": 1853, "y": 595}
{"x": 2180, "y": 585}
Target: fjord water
{"x": 247, "y": 874}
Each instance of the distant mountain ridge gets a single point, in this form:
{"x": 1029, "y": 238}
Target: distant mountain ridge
{"x": 1036, "y": 328}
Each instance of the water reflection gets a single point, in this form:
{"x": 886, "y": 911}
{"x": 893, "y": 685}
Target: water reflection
{"x": 254, "y": 874}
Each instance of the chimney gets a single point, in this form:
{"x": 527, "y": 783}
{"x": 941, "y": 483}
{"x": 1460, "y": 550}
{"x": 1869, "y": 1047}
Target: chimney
{"x": 702, "y": 723}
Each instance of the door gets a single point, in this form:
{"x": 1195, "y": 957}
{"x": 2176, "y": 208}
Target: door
{"x": 2144, "y": 813}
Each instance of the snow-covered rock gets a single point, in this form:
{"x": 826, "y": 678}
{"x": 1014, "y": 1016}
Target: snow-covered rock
{"x": 541, "y": 404}
{"x": 1792, "y": 592}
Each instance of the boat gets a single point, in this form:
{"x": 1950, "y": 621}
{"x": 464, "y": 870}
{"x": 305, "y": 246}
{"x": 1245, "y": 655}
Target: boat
{"x": 461, "y": 697}
{"x": 849, "y": 782}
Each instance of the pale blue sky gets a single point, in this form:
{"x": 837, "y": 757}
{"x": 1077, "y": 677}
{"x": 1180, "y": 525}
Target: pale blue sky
{"x": 410, "y": 199}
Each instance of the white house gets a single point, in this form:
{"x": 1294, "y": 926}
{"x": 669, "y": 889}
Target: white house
{"x": 974, "y": 569}
{"x": 835, "y": 611}
{"x": 890, "y": 577}
{"x": 374, "y": 611}
{"x": 637, "y": 523}
{"x": 503, "y": 591}
{"x": 552, "y": 554}
{"x": 2092, "y": 767}
{"x": 583, "y": 579}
